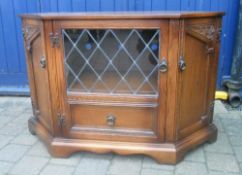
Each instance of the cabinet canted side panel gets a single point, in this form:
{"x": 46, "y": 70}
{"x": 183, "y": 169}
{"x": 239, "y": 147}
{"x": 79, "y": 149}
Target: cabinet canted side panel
{"x": 38, "y": 76}
{"x": 198, "y": 52}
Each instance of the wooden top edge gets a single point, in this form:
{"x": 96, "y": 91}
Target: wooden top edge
{"x": 121, "y": 15}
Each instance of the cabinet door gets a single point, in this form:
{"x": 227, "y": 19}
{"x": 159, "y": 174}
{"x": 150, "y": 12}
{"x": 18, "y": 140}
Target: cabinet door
{"x": 199, "y": 52}
{"x": 37, "y": 71}
{"x": 113, "y": 86}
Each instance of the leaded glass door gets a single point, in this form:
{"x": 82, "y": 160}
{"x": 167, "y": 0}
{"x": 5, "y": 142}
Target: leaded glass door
{"x": 112, "y": 61}
{"x": 112, "y": 83}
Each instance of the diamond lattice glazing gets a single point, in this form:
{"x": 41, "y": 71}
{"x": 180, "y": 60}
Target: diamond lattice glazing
{"x": 112, "y": 61}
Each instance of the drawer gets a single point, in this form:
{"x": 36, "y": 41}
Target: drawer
{"x": 113, "y": 117}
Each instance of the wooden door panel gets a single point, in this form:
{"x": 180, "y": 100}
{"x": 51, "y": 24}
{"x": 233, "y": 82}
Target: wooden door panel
{"x": 38, "y": 76}
{"x": 41, "y": 84}
{"x": 195, "y": 79}
{"x": 88, "y": 110}
{"x": 194, "y": 82}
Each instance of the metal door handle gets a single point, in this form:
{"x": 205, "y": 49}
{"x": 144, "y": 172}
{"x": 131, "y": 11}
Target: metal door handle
{"x": 163, "y": 65}
{"x": 182, "y": 64}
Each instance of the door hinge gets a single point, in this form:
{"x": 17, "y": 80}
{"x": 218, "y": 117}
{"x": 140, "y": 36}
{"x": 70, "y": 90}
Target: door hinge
{"x": 54, "y": 39}
{"x": 210, "y": 50}
{"x": 211, "y": 107}
{"x": 204, "y": 119}
{"x": 61, "y": 120}
{"x": 210, "y": 111}
{"x": 42, "y": 62}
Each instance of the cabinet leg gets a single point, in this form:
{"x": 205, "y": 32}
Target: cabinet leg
{"x": 169, "y": 160}
{"x": 64, "y": 153}
{"x": 173, "y": 157}
{"x": 212, "y": 139}
{"x": 213, "y": 136}
{"x": 31, "y": 126}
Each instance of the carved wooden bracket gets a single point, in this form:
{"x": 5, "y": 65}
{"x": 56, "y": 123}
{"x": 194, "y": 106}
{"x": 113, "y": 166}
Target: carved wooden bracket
{"x": 29, "y": 34}
{"x": 206, "y": 31}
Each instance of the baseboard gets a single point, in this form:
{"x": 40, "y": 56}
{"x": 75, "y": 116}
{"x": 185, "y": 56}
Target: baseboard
{"x": 14, "y": 90}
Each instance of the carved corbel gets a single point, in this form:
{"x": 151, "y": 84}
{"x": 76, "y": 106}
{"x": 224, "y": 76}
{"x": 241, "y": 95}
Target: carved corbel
{"x": 30, "y": 33}
{"x": 207, "y": 32}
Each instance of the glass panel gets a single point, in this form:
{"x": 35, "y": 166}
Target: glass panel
{"x": 112, "y": 61}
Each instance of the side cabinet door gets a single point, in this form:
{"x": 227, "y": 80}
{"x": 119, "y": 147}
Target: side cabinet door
{"x": 197, "y": 67}
{"x": 37, "y": 71}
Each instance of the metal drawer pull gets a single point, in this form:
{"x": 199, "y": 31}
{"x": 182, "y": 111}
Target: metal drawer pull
{"x": 42, "y": 62}
{"x": 111, "y": 120}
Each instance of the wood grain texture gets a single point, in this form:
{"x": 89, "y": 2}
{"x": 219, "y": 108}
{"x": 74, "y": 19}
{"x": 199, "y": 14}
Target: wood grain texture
{"x": 34, "y": 44}
{"x": 122, "y": 15}
{"x": 196, "y": 84}
{"x": 169, "y": 153}
{"x": 172, "y": 84}
{"x": 163, "y": 126}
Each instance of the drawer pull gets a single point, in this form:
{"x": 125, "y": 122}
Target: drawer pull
{"x": 111, "y": 120}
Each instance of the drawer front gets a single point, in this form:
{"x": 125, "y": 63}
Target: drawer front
{"x": 113, "y": 117}
{"x": 113, "y": 120}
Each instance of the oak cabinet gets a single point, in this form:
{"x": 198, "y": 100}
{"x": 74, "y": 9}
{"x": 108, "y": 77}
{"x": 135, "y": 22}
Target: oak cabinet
{"x": 129, "y": 83}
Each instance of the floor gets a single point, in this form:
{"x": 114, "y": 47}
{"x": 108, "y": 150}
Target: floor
{"x": 23, "y": 154}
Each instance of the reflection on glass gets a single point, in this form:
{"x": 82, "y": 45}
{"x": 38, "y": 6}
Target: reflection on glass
{"x": 112, "y": 61}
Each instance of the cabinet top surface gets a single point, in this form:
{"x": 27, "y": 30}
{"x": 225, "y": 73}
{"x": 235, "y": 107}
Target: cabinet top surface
{"x": 122, "y": 15}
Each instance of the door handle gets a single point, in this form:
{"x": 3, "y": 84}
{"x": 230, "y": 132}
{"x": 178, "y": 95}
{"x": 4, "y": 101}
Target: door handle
{"x": 111, "y": 120}
{"x": 182, "y": 64}
{"x": 163, "y": 66}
